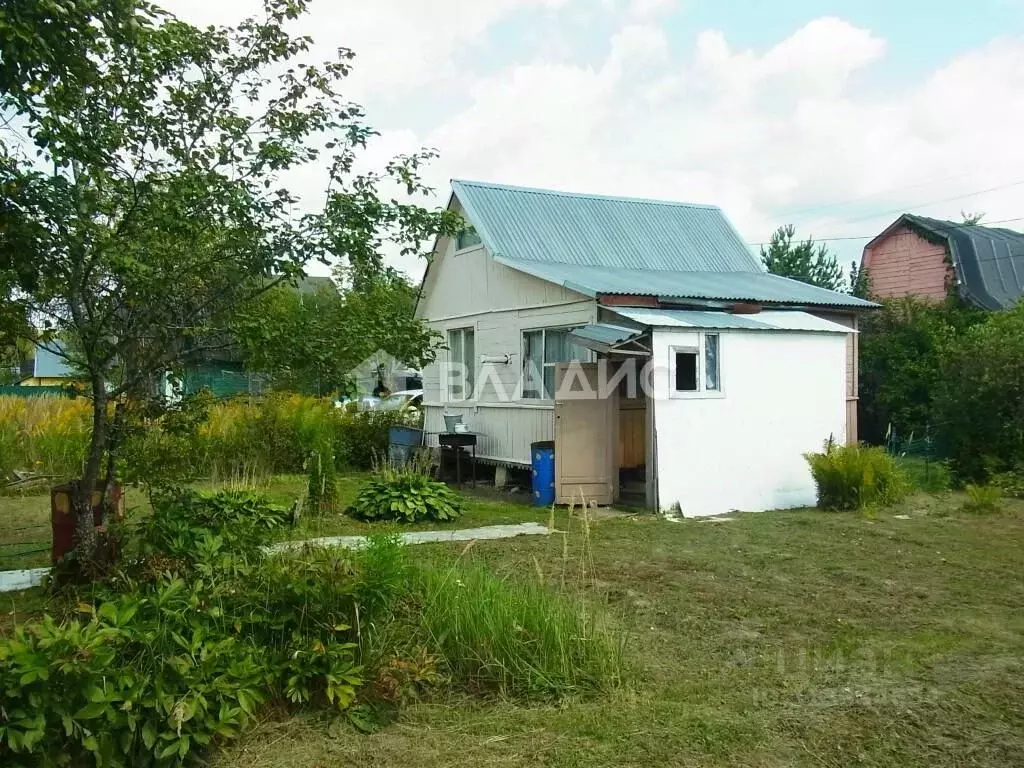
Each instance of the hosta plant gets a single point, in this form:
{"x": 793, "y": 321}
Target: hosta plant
{"x": 406, "y": 495}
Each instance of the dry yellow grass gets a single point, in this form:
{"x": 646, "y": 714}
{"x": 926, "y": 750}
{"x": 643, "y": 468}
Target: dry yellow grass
{"x": 43, "y": 434}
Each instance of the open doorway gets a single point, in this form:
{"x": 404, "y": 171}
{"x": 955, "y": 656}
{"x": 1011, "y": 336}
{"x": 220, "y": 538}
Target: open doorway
{"x": 632, "y": 440}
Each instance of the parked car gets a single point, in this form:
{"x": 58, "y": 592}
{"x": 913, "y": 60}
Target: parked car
{"x": 408, "y": 398}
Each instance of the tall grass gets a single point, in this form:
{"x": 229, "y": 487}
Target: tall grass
{"x": 278, "y": 434}
{"x": 237, "y": 440}
{"x": 47, "y": 435}
{"x": 516, "y": 638}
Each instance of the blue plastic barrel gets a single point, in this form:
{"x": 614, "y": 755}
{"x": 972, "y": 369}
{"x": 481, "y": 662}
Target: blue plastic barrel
{"x": 402, "y": 441}
{"x": 543, "y": 460}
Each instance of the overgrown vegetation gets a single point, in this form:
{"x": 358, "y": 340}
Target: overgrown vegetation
{"x": 856, "y": 477}
{"x": 181, "y": 649}
{"x": 48, "y": 435}
{"x": 516, "y": 637}
{"x": 145, "y": 194}
{"x": 902, "y": 348}
{"x": 197, "y": 438}
{"x": 406, "y": 493}
{"x": 952, "y": 373}
{"x": 978, "y": 411}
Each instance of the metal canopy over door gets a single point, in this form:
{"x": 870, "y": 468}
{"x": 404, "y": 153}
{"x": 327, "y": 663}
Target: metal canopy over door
{"x": 586, "y": 435}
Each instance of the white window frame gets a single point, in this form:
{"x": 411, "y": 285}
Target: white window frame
{"x": 544, "y": 330}
{"x": 700, "y": 349}
{"x": 470, "y": 365}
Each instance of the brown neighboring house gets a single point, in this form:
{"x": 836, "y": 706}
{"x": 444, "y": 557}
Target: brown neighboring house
{"x": 932, "y": 259}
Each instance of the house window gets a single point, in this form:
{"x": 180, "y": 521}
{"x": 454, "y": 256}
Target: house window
{"x": 462, "y": 359}
{"x": 686, "y": 370}
{"x": 467, "y": 238}
{"x": 697, "y": 369}
{"x": 543, "y": 350}
{"x": 711, "y": 372}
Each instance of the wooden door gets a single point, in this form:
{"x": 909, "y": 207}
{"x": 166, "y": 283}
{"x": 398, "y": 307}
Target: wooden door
{"x": 586, "y": 436}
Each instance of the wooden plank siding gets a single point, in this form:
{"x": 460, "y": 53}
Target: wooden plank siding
{"x": 903, "y": 263}
{"x": 852, "y": 368}
{"x": 468, "y": 289}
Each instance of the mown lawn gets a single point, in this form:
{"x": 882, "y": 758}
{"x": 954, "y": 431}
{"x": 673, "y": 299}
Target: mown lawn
{"x": 796, "y": 638}
{"x": 782, "y": 639}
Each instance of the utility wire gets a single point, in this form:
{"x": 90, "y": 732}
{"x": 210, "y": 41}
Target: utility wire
{"x": 871, "y": 236}
{"x": 901, "y": 209}
{"x": 870, "y": 195}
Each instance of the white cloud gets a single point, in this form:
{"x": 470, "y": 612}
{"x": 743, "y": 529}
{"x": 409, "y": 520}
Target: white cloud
{"x": 400, "y": 45}
{"x": 811, "y": 121}
{"x": 649, "y": 9}
{"x": 763, "y": 134}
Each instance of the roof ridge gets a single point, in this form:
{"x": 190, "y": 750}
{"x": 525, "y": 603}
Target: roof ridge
{"x": 586, "y": 195}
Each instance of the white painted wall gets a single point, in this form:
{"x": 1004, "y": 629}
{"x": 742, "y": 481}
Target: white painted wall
{"x": 784, "y": 393}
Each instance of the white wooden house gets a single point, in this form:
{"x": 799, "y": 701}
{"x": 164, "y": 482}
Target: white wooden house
{"x": 547, "y": 292}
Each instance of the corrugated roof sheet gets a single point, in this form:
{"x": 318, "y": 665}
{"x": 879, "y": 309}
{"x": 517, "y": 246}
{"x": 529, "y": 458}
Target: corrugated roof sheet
{"x": 715, "y": 286}
{"x": 763, "y": 321}
{"x": 592, "y": 230}
{"x": 605, "y": 333}
{"x": 989, "y": 261}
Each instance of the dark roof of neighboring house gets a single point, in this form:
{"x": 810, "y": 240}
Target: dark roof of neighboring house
{"x": 596, "y": 244}
{"x": 988, "y": 261}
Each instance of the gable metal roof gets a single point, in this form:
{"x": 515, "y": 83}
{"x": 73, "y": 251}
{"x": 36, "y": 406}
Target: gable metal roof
{"x": 51, "y": 365}
{"x": 988, "y": 261}
{"x": 714, "y": 286}
{"x": 569, "y": 228}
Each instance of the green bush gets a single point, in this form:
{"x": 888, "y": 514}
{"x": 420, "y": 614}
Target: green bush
{"x": 1010, "y": 482}
{"x": 979, "y": 418}
{"x": 902, "y": 347}
{"x": 982, "y": 499}
{"x": 406, "y": 495}
{"x": 178, "y": 654}
{"x": 361, "y": 437}
{"x": 183, "y": 519}
{"x": 855, "y": 477}
{"x": 515, "y": 638}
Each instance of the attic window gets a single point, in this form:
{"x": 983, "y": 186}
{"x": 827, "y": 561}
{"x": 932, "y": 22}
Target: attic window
{"x": 467, "y": 238}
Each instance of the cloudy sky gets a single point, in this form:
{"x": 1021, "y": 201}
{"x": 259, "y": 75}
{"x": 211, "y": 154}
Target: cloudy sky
{"x": 833, "y": 115}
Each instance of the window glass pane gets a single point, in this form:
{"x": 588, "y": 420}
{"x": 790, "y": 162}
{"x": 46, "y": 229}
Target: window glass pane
{"x": 533, "y": 349}
{"x": 469, "y": 358}
{"x": 711, "y": 362}
{"x": 466, "y": 238}
{"x": 549, "y": 382}
{"x": 686, "y": 371}
{"x": 455, "y": 346}
{"x": 556, "y": 347}
{"x": 455, "y": 363}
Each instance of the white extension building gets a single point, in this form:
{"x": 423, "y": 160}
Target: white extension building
{"x": 645, "y": 340}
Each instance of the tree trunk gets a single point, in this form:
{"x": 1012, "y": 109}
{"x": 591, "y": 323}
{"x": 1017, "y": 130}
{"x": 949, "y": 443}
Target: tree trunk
{"x": 82, "y": 489}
